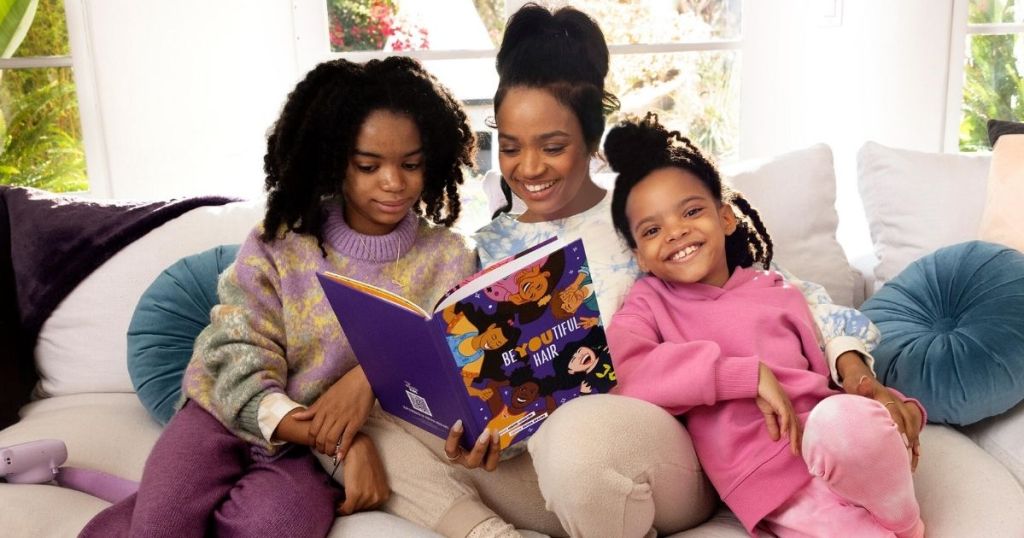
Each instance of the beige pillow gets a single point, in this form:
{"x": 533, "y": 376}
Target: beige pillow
{"x": 1003, "y": 218}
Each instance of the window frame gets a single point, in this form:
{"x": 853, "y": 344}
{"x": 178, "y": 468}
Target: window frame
{"x": 79, "y": 61}
{"x": 312, "y": 46}
{"x": 960, "y": 30}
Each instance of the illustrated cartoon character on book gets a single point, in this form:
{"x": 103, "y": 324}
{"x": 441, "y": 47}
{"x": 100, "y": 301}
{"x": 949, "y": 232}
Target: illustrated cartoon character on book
{"x": 523, "y": 296}
{"x": 473, "y": 348}
{"x": 565, "y": 303}
{"x": 510, "y": 418}
{"x": 586, "y": 364}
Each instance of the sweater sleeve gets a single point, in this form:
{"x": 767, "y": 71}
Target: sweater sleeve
{"x": 675, "y": 375}
{"x": 242, "y": 352}
{"x": 842, "y": 328}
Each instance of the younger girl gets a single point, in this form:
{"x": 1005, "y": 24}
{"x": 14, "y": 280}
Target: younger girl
{"x": 730, "y": 348}
{"x": 361, "y": 158}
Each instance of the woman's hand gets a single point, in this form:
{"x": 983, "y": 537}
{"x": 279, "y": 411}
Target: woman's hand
{"x": 777, "y": 409}
{"x": 338, "y": 414}
{"x": 366, "y": 483}
{"x": 906, "y": 415}
{"x": 485, "y": 452}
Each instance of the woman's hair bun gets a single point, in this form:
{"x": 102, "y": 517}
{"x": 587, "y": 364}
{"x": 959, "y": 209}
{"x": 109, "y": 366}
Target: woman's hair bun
{"x": 636, "y": 146}
{"x": 540, "y": 47}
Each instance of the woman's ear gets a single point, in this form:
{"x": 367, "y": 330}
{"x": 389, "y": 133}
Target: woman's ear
{"x": 728, "y": 218}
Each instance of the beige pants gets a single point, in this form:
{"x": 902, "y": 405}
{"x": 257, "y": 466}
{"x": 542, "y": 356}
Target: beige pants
{"x": 607, "y": 466}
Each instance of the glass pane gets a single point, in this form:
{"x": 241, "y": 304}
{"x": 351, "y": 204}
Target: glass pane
{"x": 48, "y": 35}
{"x": 662, "y": 21}
{"x": 40, "y": 130}
{"x": 994, "y": 11}
{"x": 696, "y": 93}
{"x": 392, "y": 25}
{"x": 993, "y": 86}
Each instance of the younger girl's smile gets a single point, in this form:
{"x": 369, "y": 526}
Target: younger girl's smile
{"x": 679, "y": 228}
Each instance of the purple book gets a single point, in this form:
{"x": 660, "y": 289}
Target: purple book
{"x": 502, "y": 350}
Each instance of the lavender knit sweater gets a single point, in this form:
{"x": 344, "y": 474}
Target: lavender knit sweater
{"x": 275, "y": 332}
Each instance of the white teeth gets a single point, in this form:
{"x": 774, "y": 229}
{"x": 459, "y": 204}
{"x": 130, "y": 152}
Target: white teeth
{"x": 538, "y": 188}
{"x": 684, "y": 253}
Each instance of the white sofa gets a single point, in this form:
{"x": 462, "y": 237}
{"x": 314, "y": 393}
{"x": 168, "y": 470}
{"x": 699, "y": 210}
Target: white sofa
{"x": 966, "y": 489}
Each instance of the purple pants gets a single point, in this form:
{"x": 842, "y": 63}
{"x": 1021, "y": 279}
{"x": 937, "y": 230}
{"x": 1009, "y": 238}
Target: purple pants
{"x": 202, "y": 480}
{"x": 862, "y": 484}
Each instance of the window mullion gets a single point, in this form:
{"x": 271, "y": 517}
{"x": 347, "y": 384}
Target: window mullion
{"x": 32, "y": 62}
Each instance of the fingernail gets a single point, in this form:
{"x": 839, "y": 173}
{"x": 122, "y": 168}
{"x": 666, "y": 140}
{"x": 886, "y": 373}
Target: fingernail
{"x": 484, "y": 436}
{"x": 457, "y": 426}
{"x": 906, "y": 440}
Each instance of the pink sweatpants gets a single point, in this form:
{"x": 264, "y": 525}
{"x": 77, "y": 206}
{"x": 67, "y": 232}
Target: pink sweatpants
{"x": 862, "y": 483}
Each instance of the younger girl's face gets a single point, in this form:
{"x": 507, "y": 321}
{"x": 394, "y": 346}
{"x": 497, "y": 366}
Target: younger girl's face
{"x": 543, "y": 155}
{"x": 384, "y": 177}
{"x": 679, "y": 228}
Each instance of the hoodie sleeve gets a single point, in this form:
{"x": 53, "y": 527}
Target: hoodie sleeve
{"x": 674, "y": 375}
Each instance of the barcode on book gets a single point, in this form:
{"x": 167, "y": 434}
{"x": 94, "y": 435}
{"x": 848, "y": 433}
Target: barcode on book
{"x": 419, "y": 403}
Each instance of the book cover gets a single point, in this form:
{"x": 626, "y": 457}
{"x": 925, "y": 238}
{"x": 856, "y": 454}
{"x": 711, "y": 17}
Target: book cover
{"x": 502, "y": 350}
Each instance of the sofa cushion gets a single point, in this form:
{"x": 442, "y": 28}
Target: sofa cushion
{"x": 795, "y": 193}
{"x": 952, "y": 334}
{"x": 81, "y": 346}
{"x": 1002, "y": 436}
{"x": 916, "y": 202}
{"x": 170, "y": 314}
{"x": 1002, "y": 220}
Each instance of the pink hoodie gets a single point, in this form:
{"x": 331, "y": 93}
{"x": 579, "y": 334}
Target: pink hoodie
{"x": 695, "y": 349}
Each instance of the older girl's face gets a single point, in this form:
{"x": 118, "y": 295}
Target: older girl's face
{"x": 384, "y": 177}
{"x": 543, "y": 155}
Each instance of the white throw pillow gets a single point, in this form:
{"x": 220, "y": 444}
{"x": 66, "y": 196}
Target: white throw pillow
{"x": 795, "y": 193}
{"x": 917, "y": 202}
{"x": 82, "y": 347}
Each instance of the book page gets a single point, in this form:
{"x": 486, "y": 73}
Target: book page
{"x": 379, "y": 293}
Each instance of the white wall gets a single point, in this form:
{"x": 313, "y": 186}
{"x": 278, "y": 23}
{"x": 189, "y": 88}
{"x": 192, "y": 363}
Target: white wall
{"x": 880, "y": 75}
{"x": 184, "y": 92}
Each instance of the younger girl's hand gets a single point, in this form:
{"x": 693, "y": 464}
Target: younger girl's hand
{"x": 907, "y": 416}
{"x": 339, "y": 413}
{"x": 777, "y": 409}
{"x": 485, "y": 452}
{"x": 366, "y": 483}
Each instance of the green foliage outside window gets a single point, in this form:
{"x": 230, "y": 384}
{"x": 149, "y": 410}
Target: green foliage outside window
{"x": 993, "y": 85}
{"x": 40, "y": 131}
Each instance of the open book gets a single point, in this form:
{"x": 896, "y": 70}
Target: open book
{"x": 501, "y": 350}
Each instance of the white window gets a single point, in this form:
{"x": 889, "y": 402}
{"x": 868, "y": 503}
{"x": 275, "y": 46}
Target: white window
{"x": 40, "y": 131}
{"x": 986, "y": 70}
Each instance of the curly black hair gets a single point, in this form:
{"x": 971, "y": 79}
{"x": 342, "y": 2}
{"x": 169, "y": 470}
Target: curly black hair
{"x": 309, "y": 147}
{"x": 563, "y": 52}
{"x": 634, "y": 149}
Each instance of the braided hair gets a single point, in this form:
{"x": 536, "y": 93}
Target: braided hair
{"x": 634, "y": 149}
{"x": 309, "y": 147}
{"x": 563, "y": 52}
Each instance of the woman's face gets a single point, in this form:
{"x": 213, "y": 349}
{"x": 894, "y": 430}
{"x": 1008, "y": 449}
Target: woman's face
{"x": 543, "y": 155}
{"x": 384, "y": 177}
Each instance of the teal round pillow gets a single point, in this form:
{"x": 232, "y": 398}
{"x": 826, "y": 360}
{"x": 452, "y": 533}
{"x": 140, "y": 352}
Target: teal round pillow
{"x": 952, "y": 327}
{"x": 170, "y": 314}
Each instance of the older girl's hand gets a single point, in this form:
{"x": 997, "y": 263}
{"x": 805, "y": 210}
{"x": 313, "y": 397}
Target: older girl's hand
{"x": 485, "y": 453}
{"x": 366, "y": 483}
{"x": 339, "y": 413}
